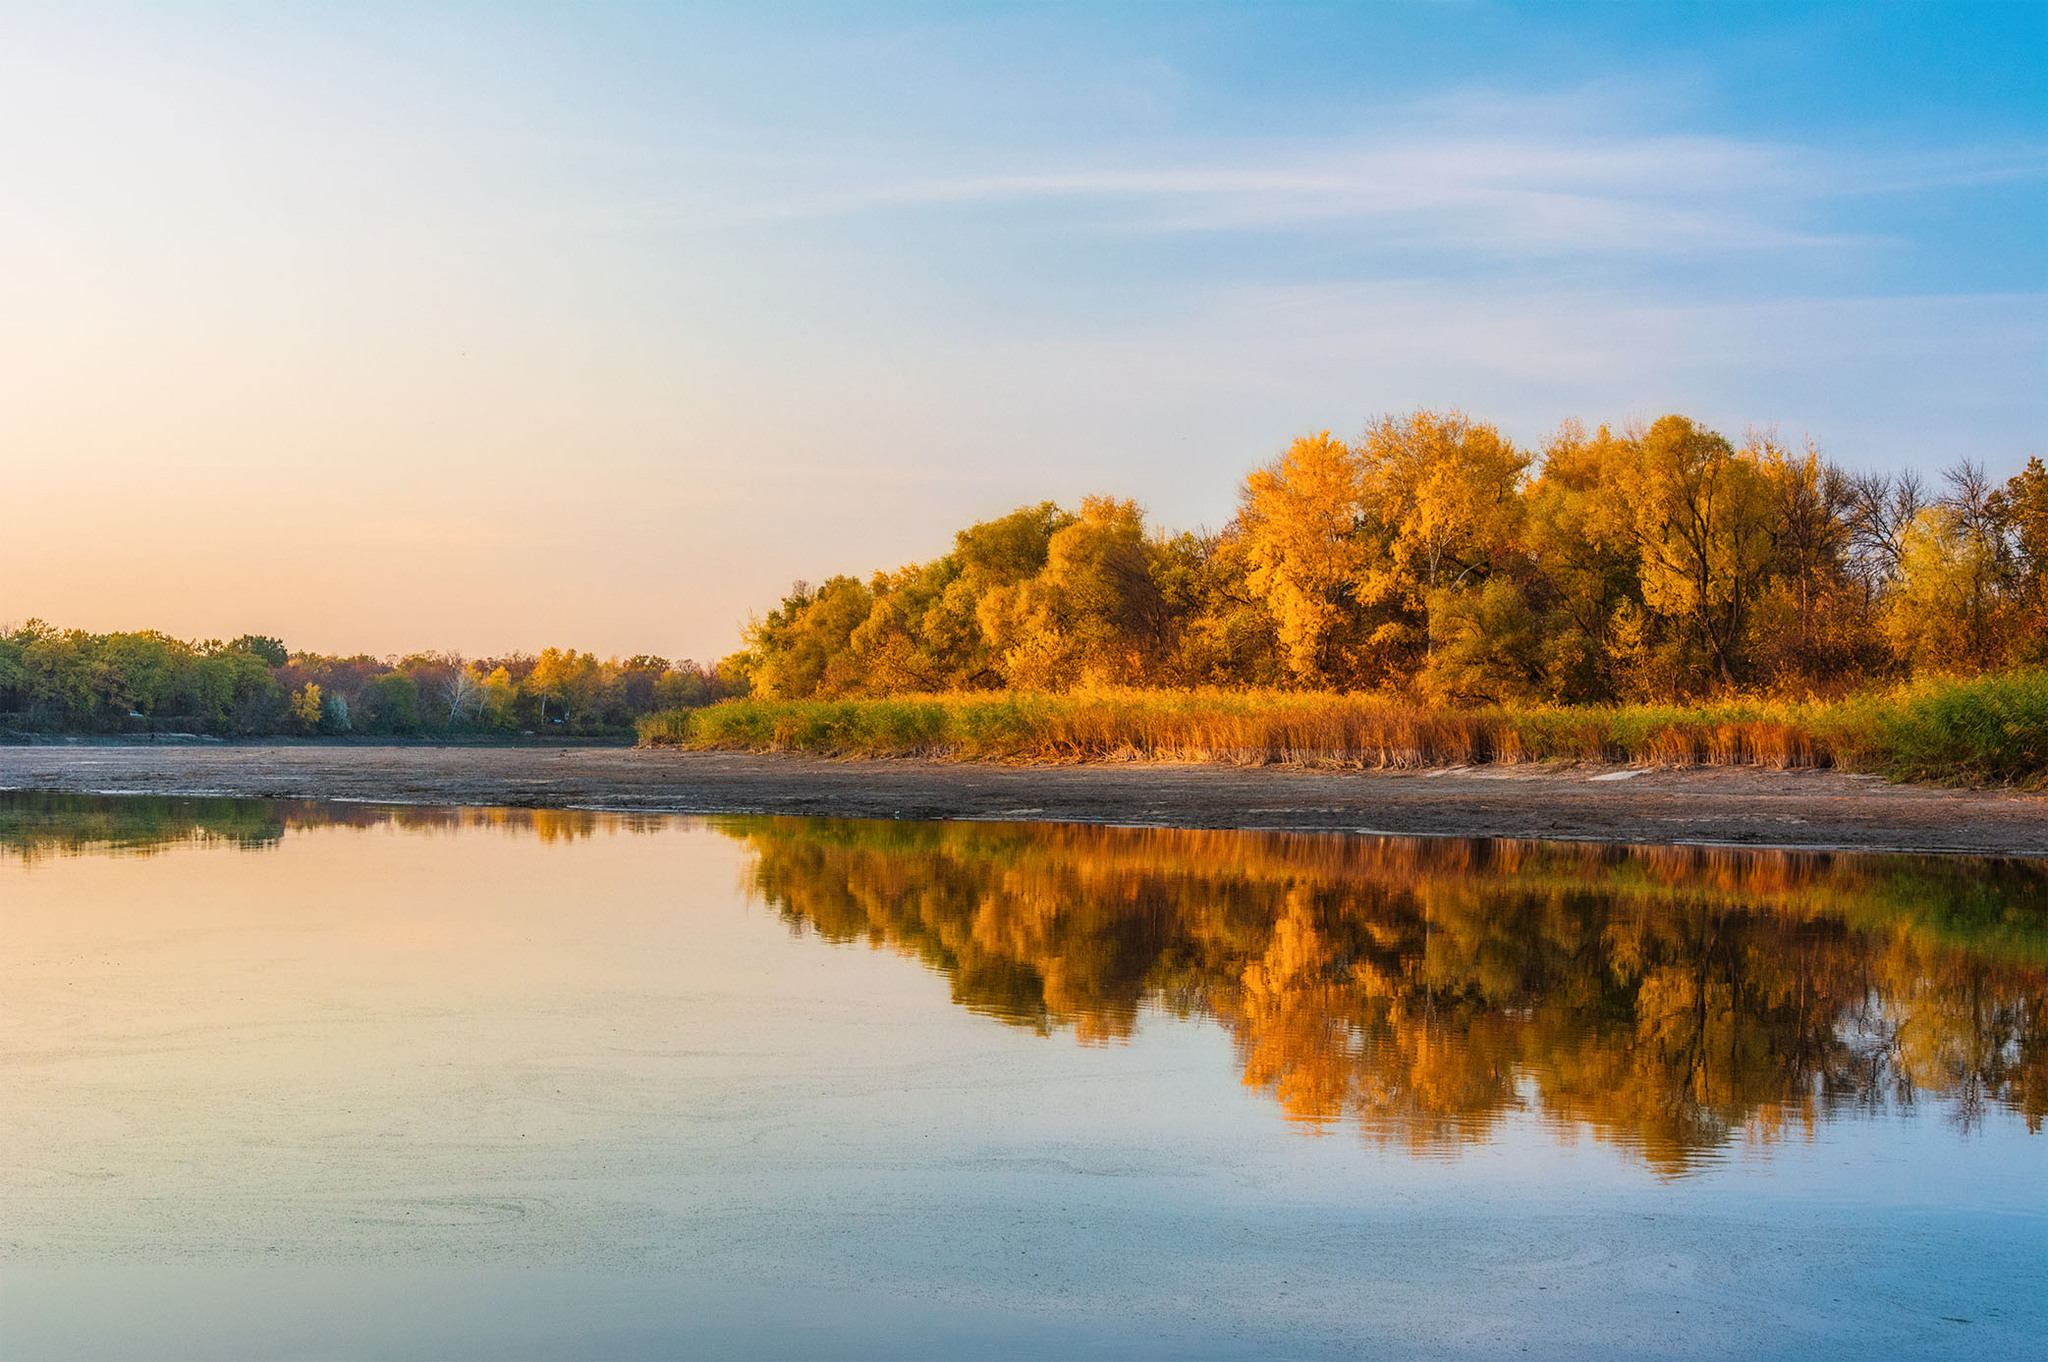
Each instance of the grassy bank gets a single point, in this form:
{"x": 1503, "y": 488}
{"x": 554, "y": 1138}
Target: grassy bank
{"x": 1990, "y": 730}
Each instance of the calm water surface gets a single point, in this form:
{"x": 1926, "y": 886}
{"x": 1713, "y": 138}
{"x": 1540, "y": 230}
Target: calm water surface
{"x": 329, "y": 1080}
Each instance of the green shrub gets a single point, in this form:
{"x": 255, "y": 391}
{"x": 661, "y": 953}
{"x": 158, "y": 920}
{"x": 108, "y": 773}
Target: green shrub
{"x": 1988, "y": 730}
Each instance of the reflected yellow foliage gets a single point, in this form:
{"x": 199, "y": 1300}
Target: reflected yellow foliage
{"x": 1672, "y": 1000}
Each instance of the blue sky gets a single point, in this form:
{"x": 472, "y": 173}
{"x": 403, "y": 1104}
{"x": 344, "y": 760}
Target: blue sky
{"x": 485, "y": 327}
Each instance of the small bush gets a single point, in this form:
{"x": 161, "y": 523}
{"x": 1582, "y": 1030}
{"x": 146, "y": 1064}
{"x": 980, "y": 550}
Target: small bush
{"x": 1989, "y": 730}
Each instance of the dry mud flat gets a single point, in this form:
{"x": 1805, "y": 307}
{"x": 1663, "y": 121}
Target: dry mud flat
{"x": 1689, "y": 805}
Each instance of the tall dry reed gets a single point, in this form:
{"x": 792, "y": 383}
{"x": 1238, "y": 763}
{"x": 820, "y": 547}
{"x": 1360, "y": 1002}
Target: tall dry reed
{"x": 1987, "y": 729}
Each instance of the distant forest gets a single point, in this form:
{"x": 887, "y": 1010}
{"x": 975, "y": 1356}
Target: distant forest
{"x": 1433, "y": 559}
{"x": 67, "y": 680}
{"x": 1430, "y": 558}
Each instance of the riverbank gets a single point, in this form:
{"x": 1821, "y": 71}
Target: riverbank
{"x": 1585, "y": 802}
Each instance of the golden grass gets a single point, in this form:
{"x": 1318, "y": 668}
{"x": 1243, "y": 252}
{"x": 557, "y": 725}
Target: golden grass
{"x": 1990, "y": 729}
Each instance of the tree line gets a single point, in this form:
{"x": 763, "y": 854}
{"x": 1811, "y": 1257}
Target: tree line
{"x": 1433, "y": 557}
{"x": 1430, "y": 557}
{"x": 70, "y": 680}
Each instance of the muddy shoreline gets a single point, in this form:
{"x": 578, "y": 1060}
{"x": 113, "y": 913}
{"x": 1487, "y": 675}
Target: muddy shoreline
{"x": 1721, "y": 806}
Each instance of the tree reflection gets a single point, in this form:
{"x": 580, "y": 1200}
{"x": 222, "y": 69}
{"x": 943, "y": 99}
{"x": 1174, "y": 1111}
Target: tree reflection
{"x": 1671, "y": 1000}
{"x": 35, "y": 824}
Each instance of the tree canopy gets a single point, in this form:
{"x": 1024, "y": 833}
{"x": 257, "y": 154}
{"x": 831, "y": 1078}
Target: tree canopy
{"x": 1432, "y": 556}
{"x": 70, "y": 680}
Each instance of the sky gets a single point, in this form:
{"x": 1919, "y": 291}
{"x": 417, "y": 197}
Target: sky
{"x": 483, "y": 328}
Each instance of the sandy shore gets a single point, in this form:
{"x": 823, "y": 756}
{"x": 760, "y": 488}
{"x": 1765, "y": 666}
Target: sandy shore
{"x": 1605, "y": 804}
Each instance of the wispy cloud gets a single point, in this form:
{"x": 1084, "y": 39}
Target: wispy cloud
{"x": 1511, "y": 195}
{"x": 1506, "y": 193}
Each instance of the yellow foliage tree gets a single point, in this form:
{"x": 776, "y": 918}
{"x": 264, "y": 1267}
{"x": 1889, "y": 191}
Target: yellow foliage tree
{"x": 1581, "y": 534}
{"x": 306, "y": 706}
{"x": 1944, "y": 613}
{"x": 2022, "y": 504}
{"x": 1442, "y": 497}
{"x": 1302, "y": 521}
{"x": 1704, "y": 522}
{"x": 1094, "y": 614}
{"x": 1445, "y": 492}
{"x": 500, "y": 692}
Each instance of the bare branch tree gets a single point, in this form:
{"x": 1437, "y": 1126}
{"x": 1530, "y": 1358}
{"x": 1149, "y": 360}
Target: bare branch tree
{"x": 1880, "y": 509}
{"x": 465, "y": 696}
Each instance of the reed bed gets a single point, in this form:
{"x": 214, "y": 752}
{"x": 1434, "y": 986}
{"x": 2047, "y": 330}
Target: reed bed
{"x": 1991, "y": 729}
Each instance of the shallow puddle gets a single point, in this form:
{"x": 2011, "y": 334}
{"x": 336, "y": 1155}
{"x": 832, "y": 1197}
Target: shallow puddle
{"x": 318, "y": 1080}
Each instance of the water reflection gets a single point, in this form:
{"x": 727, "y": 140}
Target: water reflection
{"x": 1671, "y": 1000}
{"x": 35, "y": 824}
{"x": 1668, "y": 999}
